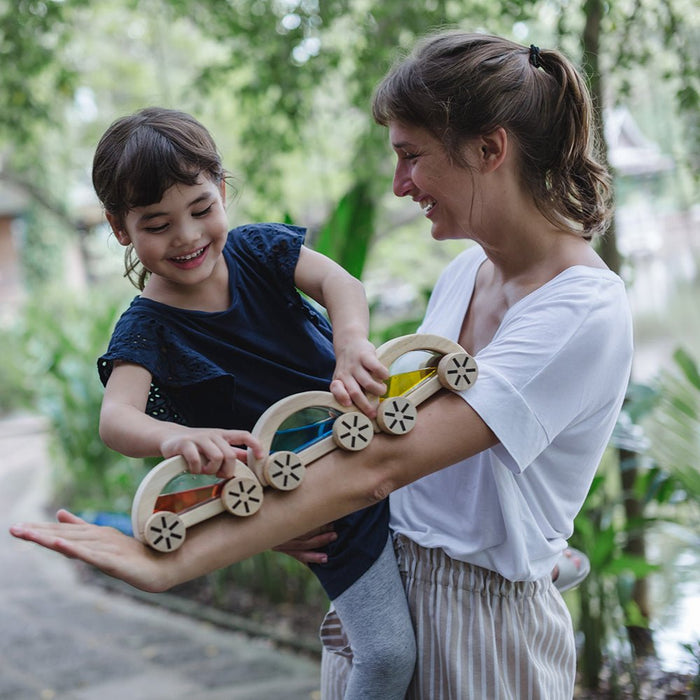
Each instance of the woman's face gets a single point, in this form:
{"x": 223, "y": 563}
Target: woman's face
{"x": 446, "y": 191}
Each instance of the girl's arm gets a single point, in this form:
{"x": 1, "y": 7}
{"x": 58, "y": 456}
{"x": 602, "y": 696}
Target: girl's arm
{"x": 447, "y": 431}
{"x": 358, "y": 371}
{"x": 126, "y": 428}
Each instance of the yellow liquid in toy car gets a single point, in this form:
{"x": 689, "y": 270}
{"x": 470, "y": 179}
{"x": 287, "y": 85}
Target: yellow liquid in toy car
{"x": 399, "y": 384}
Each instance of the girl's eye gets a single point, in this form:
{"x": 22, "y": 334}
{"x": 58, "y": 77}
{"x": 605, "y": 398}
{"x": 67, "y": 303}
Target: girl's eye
{"x": 409, "y": 156}
{"x": 204, "y": 212}
{"x": 155, "y": 229}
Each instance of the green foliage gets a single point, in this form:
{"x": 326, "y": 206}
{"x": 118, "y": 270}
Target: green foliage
{"x": 346, "y": 235}
{"x": 605, "y": 599}
{"x": 62, "y": 338}
{"x": 37, "y": 76}
{"x": 673, "y": 425}
{"x": 667, "y": 488}
{"x": 16, "y": 391}
{"x": 277, "y": 576}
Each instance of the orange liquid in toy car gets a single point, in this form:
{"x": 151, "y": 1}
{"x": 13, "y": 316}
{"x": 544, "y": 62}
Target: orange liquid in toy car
{"x": 182, "y": 500}
{"x": 399, "y": 384}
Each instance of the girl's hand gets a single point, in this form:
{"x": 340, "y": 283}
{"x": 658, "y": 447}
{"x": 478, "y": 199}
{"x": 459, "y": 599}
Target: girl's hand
{"x": 211, "y": 450}
{"x": 303, "y": 548}
{"x": 111, "y": 551}
{"x": 358, "y": 376}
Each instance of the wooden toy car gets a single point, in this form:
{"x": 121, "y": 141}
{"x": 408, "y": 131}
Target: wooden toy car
{"x": 419, "y": 366}
{"x": 300, "y": 429}
{"x": 170, "y": 499}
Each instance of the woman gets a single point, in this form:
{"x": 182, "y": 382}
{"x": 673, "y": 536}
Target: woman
{"x": 493, "y": 141}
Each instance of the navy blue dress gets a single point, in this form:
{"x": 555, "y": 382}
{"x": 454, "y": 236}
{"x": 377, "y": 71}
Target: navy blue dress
{"x": 223, "y": 369}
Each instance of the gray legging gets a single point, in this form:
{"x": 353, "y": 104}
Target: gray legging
{"x": 379, "y": 634}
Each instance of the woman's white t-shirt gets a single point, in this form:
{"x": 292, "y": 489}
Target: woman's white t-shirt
{"x": 550, "y": 386}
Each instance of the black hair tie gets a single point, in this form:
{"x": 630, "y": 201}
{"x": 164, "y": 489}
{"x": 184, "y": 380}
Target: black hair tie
{"x": 535, "y": 56}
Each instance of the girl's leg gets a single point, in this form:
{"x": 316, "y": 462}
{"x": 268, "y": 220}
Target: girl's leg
{"x": 376, "y": 620}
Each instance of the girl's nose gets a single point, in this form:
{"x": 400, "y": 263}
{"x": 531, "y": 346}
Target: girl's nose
{"x": 187, "y": 233}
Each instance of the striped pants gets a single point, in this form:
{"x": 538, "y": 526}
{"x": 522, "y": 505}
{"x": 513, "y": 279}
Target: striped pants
{"x": 479, "y": 636}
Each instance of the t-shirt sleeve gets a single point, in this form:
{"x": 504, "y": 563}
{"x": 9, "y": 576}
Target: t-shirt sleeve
{"x": 142, "y": 337}
{"x": 274, "y": 248}
{"x": 550, "y": 365}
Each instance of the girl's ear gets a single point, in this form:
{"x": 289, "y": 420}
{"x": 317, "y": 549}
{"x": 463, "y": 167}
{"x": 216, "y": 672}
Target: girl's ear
{"x": 121, "y": 235}
{"x": 493, "y": 148}
{"x": 222, "y": 190}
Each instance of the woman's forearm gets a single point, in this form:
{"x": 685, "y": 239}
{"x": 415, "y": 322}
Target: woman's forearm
{"x": 339, "y": 483}
{"x": 447, "y": 430}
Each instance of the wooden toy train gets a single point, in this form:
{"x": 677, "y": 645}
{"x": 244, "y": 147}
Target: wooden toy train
{"x": 295, "y": 432}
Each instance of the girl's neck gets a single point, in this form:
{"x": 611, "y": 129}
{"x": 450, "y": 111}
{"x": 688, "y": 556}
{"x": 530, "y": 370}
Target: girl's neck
{"x": 211, "y": 295}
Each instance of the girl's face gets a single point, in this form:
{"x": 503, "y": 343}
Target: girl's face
{"x": 446, "y": 192}
{"x": 180, "y": 238}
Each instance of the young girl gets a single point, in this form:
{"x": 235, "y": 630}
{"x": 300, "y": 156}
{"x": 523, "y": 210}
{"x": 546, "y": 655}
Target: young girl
{"x": 219, "y": 333}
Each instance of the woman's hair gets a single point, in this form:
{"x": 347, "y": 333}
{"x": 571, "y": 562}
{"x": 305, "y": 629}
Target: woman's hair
{"x": 142, "y": 155}
{"x": 460, "y": 86}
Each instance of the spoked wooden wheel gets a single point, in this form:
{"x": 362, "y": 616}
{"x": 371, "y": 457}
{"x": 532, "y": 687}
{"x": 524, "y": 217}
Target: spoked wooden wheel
{"x": 457, "y": 371}
{"x": 353, "y": 431}
{"x": 397, "y": 415}
{"x": 242, "y": 496}
{"x": 164, "y": 531}
{"x": 284, "y": 470}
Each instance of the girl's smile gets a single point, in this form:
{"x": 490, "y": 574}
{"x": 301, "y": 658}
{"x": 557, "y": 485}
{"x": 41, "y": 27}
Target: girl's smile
{"x": 191, "y": 260}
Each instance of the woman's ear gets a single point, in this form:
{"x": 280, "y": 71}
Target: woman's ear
{"x": 121, "y": 235}
{"x": 493, "y": 148}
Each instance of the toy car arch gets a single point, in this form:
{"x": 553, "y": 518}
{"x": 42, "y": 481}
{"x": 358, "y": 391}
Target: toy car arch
{"x": 170, "y": 499}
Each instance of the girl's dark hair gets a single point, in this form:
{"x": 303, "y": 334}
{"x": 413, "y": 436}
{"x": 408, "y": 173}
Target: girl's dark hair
{"x": 142, "y": 155}
{"x": 459, "y": 86}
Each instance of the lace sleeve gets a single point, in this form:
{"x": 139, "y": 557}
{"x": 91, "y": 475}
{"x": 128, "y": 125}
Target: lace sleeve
{"x": 275, "y": 247}
{"x": 146, "y": 340}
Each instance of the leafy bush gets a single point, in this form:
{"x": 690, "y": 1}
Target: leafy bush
{"x": 61, "y": 338}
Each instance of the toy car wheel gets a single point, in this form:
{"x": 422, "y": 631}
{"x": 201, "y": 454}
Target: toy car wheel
{"x": 397, "y": 415}
{"x": 284, "y": 470}
{"x": 164, "y": 531}
{"x": 457, "y": 371}
{"x": 353, "y": 431}
{"x": 242, "y": 496}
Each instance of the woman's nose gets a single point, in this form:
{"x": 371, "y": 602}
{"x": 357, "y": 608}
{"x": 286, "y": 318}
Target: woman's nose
{"x": 402, "y": 181}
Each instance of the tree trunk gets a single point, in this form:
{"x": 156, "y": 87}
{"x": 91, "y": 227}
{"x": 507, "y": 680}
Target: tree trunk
{"x": 640, "y": 638}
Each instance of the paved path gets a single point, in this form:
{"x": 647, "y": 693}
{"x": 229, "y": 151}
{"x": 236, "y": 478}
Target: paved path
{"x": 62, "y": 639}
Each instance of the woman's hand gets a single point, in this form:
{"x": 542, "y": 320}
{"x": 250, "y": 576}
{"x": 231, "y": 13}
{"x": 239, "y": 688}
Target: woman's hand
{"x": 303, "y": 548}
{"x": 111, "y": 551}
